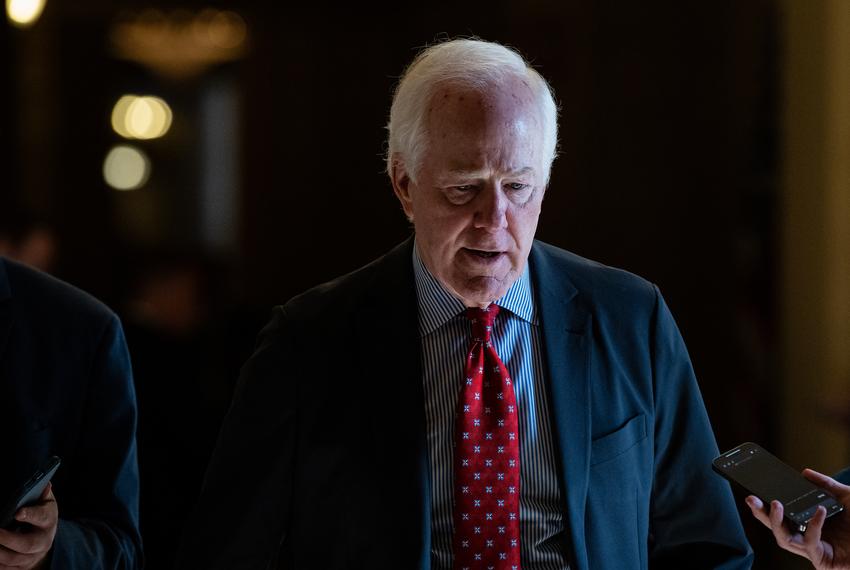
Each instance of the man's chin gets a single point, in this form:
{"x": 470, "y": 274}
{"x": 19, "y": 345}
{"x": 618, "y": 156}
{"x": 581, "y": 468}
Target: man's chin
{"x": 481, "y": 291}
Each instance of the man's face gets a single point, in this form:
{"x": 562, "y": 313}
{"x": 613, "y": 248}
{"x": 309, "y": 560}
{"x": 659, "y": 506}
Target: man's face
{"x": 477, "y": 194}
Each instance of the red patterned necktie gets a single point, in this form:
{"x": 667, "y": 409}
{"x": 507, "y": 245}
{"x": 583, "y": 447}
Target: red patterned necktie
{"x": 486, "y": 462}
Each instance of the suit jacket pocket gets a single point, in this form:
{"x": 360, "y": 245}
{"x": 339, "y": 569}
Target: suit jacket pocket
{"x": 618, "y": 441}
{"x": 616, "y": 511}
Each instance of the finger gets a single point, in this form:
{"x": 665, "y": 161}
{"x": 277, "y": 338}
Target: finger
{"x": 47, "y": 493}
{"x": 758, "y": 510}
{"x": 8, "y": 541}
{"x": 42, "y": 515}
{"x": 11, "y": 559}
{"x": 24, "y": 542}
{"x": 825, "y": 481}
{"x": 783, "y": 536}
{"x": 811, "y": 540}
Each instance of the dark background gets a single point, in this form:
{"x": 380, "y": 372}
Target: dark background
{"x": 668, "y": 166}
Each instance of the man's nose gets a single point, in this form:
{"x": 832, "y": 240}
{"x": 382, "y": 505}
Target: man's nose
{"x": 491, "y": 207}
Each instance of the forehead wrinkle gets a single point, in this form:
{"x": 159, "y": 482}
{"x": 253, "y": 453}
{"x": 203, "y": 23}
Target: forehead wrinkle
{"x": 485, "y": 173}
{"x": 461, "y": 171}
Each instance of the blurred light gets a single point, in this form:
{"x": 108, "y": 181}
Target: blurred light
{"x": 141, "y": 117}
{"x": 126, "y": 168}
{"x": 119, "y": 115}
{"x": 24, "y": 13}
{"x": 180, "y": 43}
{"x": 221, "y": 29}
{"x": 227, "y": 30}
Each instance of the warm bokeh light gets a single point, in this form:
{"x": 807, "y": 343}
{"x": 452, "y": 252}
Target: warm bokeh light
{"x": 180, "y": 43}
{"x": 126, "y": 168}
{"x": 119, "y": 114}
{"x": 141, "y": 117}
{"x": 226, "y": 29}
{"x": 24, "y": 13}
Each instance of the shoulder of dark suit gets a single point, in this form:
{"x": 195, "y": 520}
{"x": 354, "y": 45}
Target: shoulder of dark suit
{"x": 39, "y": 295}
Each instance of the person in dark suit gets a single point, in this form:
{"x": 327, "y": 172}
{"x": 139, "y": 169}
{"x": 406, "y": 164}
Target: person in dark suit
{"x": 66, "y": 390}
{"x": 342, "y": 448}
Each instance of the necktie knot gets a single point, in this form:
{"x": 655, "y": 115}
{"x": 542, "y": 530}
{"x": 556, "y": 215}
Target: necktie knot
{"x": 482, "y": 321}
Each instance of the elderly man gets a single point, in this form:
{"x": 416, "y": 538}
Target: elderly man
{"x": 472, "y": 399}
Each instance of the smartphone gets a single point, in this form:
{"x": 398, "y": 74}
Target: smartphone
{"x": 763, "y": 475}
{"x": 29, "y": 492}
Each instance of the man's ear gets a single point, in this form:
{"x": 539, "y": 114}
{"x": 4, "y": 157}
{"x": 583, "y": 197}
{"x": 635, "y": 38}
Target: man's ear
{"x": 402, "y": 186}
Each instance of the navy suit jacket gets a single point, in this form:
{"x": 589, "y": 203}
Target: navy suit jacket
{"x": 66, "y": 389}
{"x": 322, "y": 460}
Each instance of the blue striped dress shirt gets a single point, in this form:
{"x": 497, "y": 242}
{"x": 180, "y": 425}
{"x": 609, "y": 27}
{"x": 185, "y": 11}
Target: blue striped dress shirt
{"x": 445, "y": 335}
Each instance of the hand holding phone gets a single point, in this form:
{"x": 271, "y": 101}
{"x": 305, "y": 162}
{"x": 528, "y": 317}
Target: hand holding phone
{"x": 826, "y": 547}
{"x": 763, "y": 475}
{"x": 29, "y": 492}
{"x": 29, "y": 538}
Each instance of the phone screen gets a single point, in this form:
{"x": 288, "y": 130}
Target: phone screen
{"x": 758, "y": 470}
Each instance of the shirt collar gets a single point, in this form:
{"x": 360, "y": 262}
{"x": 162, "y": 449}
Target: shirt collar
{"x": 437, "y": 306}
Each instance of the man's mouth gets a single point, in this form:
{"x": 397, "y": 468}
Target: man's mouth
{"x": 482, "y": 253}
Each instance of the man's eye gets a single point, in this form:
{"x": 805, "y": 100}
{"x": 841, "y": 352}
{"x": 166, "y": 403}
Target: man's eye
{"x": 517, "y": 186}
{"x": 461, "y": 194}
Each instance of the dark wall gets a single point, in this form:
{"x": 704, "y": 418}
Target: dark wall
{"x": 8, "y": 147}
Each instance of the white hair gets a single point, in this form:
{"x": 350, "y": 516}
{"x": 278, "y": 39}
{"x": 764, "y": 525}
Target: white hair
{"x": 469, "y": 63}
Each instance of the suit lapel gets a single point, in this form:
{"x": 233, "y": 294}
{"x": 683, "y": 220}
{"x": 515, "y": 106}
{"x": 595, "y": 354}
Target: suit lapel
{"x": 387, "y": 330}
{"x": 566, "y": 326}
